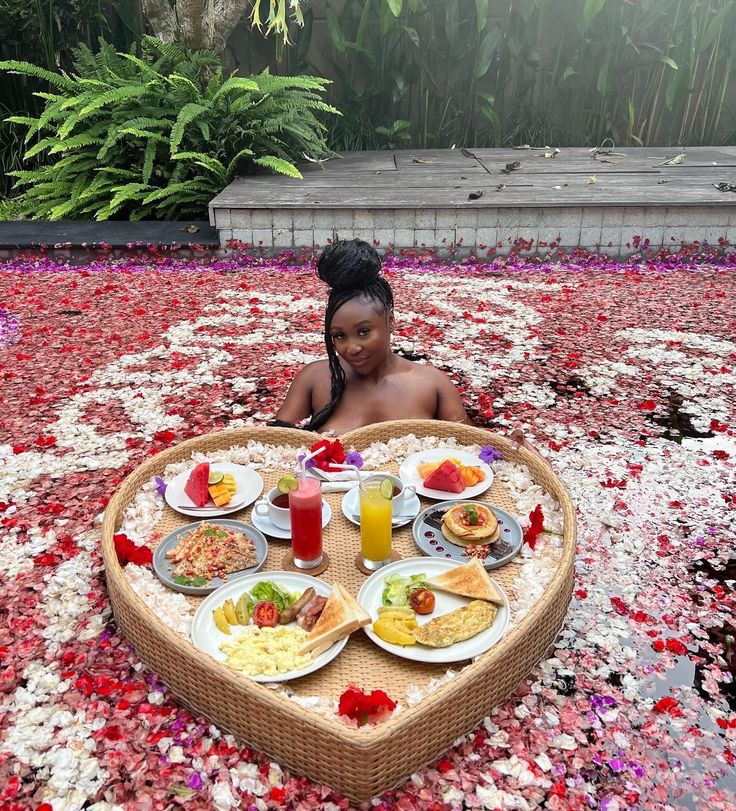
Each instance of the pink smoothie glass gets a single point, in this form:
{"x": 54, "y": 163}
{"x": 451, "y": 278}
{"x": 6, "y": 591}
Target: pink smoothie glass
{"x": 305, "y": 508}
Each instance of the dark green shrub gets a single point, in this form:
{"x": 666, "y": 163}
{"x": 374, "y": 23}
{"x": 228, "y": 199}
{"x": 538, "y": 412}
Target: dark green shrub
{"x": 156, "y": 136}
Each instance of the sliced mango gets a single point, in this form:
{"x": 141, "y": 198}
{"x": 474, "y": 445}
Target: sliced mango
{"x": 393, "y": 632}
{"x": 472, "y": 475}
{"x": 219, "y": 494}
{"x": 401, "y": 611}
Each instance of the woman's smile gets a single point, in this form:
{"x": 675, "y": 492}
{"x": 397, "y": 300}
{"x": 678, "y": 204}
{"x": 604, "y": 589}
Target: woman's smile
{"x": 361, "y": 336}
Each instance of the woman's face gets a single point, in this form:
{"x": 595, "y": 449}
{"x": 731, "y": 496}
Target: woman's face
{"x": 361, "y": 334}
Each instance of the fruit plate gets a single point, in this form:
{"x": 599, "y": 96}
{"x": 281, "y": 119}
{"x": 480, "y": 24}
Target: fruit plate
{"x": 427, "y": 532}
{"x": 370, "y": 594}
{"x": 208, "y": 637}
{"x": 164, "y": 568}
{"x": 409, "y": 475}
{"x": 248, "y": 482}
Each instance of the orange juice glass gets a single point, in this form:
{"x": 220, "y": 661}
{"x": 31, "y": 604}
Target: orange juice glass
{"x": 375, "y": 522}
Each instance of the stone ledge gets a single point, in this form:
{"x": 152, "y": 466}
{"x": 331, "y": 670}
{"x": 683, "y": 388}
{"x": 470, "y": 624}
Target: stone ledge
{"x": 72, "y": 235}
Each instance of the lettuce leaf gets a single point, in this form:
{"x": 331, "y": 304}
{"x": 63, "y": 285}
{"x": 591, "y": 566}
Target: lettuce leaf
{"x": 266, "y": 590}
{"x": 398, "y": 588}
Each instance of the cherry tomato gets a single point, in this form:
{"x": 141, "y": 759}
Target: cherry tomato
{"x": 266, "y": 614}
{"x": 422, "y": 601}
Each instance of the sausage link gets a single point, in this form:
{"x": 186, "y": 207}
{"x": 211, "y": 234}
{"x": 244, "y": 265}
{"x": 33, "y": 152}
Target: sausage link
{"x": 289, "y": 614}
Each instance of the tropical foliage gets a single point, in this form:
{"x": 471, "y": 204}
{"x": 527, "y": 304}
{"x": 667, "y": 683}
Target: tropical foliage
{"x": 475, "y": 72}
{"x": 157, "y": 135}
{"x": 209, "y": 23}
{"x": 46, "y": 32}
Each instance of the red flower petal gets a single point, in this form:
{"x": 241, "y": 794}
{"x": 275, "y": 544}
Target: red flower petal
{"x": 665, "y": 705}
{"x": 535, "y": 527}
{"x": 675, "y": 646}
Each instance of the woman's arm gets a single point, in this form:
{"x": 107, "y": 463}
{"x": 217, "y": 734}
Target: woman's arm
{"x": 519, "y": 439}
{"x": 297, "y": 405}
{"x": 449, "y": 405}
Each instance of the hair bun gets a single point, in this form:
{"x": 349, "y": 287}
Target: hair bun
{"x": 349, "y": 264}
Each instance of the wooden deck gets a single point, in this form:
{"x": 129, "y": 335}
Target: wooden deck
{"x": 442, "y": 191}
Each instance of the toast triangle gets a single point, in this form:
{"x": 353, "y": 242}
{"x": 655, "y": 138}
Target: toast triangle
{"x": 469, "y": 580}
{"x": 338, "y": 619}
{"x": 360, "y": 614}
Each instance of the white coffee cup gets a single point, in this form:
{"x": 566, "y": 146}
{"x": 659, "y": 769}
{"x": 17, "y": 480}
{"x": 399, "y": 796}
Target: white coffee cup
{"x": 279, "y": 516}
{"x": 402, "y": 493}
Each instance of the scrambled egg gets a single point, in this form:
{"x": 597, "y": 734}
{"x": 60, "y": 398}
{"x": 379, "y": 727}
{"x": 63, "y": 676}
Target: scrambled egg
{"x": 267, "y": 651}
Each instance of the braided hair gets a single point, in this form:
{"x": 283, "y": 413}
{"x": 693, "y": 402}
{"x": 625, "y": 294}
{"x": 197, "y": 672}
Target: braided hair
{"x": 352, "y": 270}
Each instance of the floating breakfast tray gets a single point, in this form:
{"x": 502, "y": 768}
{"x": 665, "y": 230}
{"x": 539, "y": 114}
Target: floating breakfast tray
{"x": 361, "y": 763}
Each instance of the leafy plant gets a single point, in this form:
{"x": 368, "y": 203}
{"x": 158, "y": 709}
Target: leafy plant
{"x": 472, "y": 73}
{"x": 9, "y": 210}
{"x": 50, "y": 29}
{"x": 416, "y": 61}
{"x": 157, "y": 135}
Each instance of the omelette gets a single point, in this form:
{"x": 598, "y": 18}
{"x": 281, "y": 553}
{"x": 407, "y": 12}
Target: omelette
{"x": 457, "y": 626}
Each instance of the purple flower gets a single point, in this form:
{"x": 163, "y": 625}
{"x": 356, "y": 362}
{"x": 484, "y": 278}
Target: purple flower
{"x": 489, "y": 454}
{"x": 598, "y": 701}
{"x": 616, "y": 764}
{"x": 160, "y": 486}
{"x": 9, "y": 327}
{"x": 195, "y": 781}
{"x": 310, "y": 463}
{"x": 636, "y": 768}
{"x": 354, "y": 458}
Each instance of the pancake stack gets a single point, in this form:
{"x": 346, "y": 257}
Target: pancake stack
{"x": 470, "y": 524}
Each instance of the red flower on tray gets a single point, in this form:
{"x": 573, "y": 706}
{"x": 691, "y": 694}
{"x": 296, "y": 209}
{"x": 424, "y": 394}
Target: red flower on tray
{"x": 128, "y": 552}
{"x": 365, "y": 707}
{"x": 333, "y": 453}
{"x": 536, "y": 518}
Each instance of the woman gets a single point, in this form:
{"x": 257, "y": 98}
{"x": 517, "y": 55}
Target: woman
{"x": 363, "y": 381}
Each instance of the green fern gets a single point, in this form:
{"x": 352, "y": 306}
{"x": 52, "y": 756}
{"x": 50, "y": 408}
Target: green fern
{"x": 187, "y": 114}
{"x": 148, "y": 159}
{"x": 60, "y": 80}
{"x": 113, "y": 97}
{"x": 157, "y": 132}
{"x": 278, "y": 165}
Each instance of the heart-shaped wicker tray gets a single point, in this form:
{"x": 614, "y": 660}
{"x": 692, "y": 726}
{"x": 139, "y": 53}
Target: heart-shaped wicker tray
{"x": 359, "y": 762}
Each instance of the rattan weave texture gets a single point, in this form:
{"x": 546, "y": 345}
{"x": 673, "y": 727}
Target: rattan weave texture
{"x": 361, "y": 763}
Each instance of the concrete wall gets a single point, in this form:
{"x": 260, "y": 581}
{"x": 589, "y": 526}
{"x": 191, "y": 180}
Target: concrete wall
{"x": 617, "y": 231}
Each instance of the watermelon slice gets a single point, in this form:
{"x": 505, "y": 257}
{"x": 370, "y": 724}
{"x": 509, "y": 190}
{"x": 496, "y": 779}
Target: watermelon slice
{"x": 196, "y": 486}
{"x": 447, "y": 477}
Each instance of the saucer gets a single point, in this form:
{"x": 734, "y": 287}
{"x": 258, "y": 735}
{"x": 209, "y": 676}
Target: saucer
{"x": 351, "y": 508}
{"x": 267, "y": 526}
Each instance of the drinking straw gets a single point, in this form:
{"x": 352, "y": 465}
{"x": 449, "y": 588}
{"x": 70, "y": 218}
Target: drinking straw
{"x": 348, "y": 467}
{"x": 303, "y": 461}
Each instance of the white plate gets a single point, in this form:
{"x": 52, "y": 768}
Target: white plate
{"x": 351, "y": 507}
{"x": 249, "y": 486}
{"x": 267, "y": 526}
{"x": 207, "y": 637}
{"x": 369, "y": 597}
{"x": 408, "y": 473}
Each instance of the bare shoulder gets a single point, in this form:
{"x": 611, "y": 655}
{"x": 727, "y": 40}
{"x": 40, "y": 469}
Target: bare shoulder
{"x": 449, "y": 403}
{"x": 431, "y": 374}
{"x": 315, "y": 370}
{"x": 298, "y": 403}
